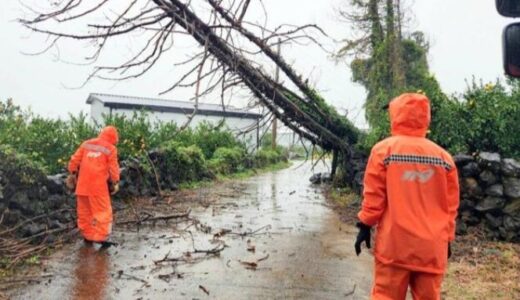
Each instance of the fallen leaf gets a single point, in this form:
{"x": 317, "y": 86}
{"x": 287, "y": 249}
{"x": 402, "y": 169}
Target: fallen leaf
{"x": 249, "y": 265}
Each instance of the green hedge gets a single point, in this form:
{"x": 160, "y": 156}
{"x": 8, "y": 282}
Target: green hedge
{"x": 229, "y": 160}
{"x": 183, "y": 163}
{"x": 486, "y": 117}
{"x": 265, "y": 157}
{"x": 51, "y": 142}
{"x": 19, "y": 169}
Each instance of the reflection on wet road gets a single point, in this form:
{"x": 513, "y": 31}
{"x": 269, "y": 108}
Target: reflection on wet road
{"x": 90, "y": 277}
{"x": 296, "y": 249}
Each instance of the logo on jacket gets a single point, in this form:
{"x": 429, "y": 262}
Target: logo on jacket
{"x": 93, "y": 154}
{"x": 422, "y": 177}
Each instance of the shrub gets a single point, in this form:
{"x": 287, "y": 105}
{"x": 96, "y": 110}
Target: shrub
{"x": 182, "y": 164}
{"x": 265, "y": 157}
{"x": 45, "y": 141}
{"x": 228, "y": 160}
{"x": 18, "y": 169}
{"x": 209, "y": 138}
{"x": 485, "y": 118}
{"x": 135, "y": 134}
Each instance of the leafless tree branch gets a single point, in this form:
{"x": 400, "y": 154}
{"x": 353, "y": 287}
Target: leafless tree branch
{"x": 228, "y": 60}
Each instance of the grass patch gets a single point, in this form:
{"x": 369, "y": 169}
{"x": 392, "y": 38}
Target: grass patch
{"x": 483, "y": 270}
{"x": 342, "y": 197}
{"x": 195, "y": 184}
{"x": 7, "y": 273}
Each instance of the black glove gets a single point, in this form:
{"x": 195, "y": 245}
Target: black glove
{"x": 449, "y": 250}
{"x": 113, "y": 187}
{"x": 363, "y": 236}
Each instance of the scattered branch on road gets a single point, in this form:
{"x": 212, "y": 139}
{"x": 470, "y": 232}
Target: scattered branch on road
{"x": 205, "y": 290}
{"x": 351, "y": 292}
{"x": 25, "y": 279}
{"x": 122, "y": 275}
{"x": 252, "y": 233}
{"x": 149, "y": 217}
{"x": 194, "y": 255}
{"x": 250, "y": 246}
{"x": 252, "y": 265}
{"x": 15, "y": 249}
{"x": 167, "y": 277}
{"x": 191, "y": 256}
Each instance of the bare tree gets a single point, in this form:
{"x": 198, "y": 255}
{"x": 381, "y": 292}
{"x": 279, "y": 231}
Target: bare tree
{"x": 232, "y": 50}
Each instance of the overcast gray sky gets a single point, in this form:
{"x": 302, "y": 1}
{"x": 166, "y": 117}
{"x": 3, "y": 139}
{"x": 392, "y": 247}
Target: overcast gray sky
{"x": 465, "y": 37}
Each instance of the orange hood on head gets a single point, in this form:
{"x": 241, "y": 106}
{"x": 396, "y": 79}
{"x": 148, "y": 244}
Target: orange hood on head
{"x": 109, "y": 134}
{"x": 410, "y": 115}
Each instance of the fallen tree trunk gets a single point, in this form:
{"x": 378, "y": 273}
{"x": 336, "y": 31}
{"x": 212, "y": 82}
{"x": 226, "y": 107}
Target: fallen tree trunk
{"x": 303, "y": 110}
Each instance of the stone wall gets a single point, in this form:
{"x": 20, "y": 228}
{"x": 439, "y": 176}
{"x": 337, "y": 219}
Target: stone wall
{"x": 34, "y": 203}
{"x": 27, "y": 194}
{"x": 490, "y": 193}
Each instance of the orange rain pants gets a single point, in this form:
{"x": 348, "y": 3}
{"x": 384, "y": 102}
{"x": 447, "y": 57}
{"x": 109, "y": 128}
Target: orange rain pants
{"x": 391, "y": 283}
{"x": 96, "y": 161}
{"x": 94, "y": 217}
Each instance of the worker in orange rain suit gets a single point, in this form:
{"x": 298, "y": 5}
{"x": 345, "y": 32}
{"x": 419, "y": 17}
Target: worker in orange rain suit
{"x": 96, "y": 160}
{"x": 411, "y": 193}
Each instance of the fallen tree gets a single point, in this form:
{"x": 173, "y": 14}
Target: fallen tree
{"x": 228, "y": 58}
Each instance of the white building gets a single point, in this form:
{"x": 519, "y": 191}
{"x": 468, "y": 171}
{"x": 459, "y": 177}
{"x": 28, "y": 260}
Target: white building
{"x": 159, "y": 110}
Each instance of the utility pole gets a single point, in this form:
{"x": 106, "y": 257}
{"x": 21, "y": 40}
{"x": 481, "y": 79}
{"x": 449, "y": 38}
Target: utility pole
{"x": 275, "y": 122}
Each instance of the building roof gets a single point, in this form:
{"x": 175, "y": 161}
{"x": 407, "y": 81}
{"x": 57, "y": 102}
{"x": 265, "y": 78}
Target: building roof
{"x": 174, "y": 106}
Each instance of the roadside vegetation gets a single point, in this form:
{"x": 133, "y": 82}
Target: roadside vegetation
{"x": 194, "y": 154}
{"x": 482, "y": 118}
{"x": 387, "y": 58}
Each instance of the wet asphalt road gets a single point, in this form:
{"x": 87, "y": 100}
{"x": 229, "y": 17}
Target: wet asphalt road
{"x": 301, "y": 251}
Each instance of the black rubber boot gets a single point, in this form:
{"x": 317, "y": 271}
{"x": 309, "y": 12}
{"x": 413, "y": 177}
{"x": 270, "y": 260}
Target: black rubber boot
{"x": 107, "y": 244}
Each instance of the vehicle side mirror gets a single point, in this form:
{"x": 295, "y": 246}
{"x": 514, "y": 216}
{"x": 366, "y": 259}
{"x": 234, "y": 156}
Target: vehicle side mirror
{"x": 508, "y": 8}
{"x": 511, "y": 41}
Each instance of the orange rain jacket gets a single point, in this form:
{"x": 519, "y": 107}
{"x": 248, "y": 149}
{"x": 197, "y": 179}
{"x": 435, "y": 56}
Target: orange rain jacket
{"x": 97, "y": 162}
{"x": 411, "y": 192}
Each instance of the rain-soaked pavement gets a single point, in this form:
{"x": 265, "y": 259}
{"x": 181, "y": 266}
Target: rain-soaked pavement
{"x": 301, "y": 251}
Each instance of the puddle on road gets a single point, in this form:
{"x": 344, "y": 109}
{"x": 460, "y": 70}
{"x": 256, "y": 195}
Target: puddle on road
{"x": 301, "y": 249}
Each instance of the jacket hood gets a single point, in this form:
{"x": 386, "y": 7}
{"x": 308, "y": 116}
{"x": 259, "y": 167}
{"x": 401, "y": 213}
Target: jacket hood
{"x": 109, "y": 134}
{"x": 410, "y": 115}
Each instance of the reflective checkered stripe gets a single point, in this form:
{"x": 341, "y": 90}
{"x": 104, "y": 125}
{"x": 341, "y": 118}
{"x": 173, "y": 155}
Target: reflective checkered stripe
{"x": 416, "y": 159}
{"x": 97, "y": 148}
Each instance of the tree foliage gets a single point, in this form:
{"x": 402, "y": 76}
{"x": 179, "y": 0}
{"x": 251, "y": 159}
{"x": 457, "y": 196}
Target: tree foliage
{"x": 485, "y": 118}
{"x": 385, "y": 61}
{"x": 388, "y": 61}
{"x": 395, "y": 62}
